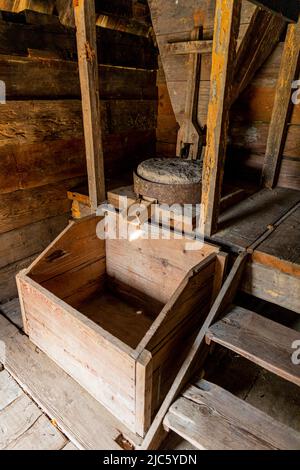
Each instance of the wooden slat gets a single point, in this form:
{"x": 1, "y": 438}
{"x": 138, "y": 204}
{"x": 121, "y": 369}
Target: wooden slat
{"x": 85, "y": 20}
{"x": 17, "y": 418}
{"x": 87, "y": 423}
{"x": 263, "y": 341}
{"x": 282, "y": 107}
{"x": 211, "y": 418}
{"x": 155, "y": 434}
{"x": 227, "y": 20}
{"x": 25, "y": 207}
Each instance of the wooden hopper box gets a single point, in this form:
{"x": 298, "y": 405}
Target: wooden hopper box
{"x": 118, "y": 315}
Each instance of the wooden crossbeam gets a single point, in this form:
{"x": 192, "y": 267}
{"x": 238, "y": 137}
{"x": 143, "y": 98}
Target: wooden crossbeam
{"x": 189, "y": 47}
{"x": 261, "y": 37}
{"x": 282, "y": 108}
{"x": 226, "y": 29}
{"x": 85, "y": 19}
{"x": 287, "y": 9}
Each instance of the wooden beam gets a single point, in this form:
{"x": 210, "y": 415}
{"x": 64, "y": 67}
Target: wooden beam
{"x": 282, "y": 107}
{"x": 262, "y": 36}
{"x": 226, "y": 29}
{"x": 287, "y": 9}
{"x": 85, "y": 19}
{"x": 189, "y": 47}
{"x": 155, "y": 434}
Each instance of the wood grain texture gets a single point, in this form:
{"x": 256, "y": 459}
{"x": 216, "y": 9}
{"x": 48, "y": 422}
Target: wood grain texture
{"x": 227, "y": 20}
{"x": 85, "y": 20}
{"x": 211, "y": 418}
{"x": 272, "y": 285}
{"x": 260, "y": 340}
{"x": 81, "y": 417}
{"x": 196, "y": 353}
{"x": 282, "y": 107}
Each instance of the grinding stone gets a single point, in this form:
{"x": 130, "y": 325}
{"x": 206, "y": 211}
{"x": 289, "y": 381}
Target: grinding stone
{"x": 171, "y": 171}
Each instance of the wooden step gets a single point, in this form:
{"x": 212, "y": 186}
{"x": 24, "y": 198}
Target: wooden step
{"x": 211, "y": 418}
{"x": 258, "y": 339}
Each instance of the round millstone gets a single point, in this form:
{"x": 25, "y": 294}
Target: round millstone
{"x": 171, "y": 171}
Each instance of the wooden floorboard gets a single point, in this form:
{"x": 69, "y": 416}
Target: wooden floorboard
{"x": 258, "y": 339}
{"x": 213, "y": 419}
{"x": 23, "y": 426}
{"x": 81, "y": 418}
{"x": 241, "y": 225}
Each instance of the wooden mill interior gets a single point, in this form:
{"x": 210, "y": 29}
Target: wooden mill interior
{"x": 142, "y": 343}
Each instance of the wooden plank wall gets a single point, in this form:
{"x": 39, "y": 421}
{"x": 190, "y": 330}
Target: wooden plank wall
{"x": 42, "y": 151}
{"x": 250, "y": 117}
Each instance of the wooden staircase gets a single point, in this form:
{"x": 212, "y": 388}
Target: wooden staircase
{"x": 210, "y": 417}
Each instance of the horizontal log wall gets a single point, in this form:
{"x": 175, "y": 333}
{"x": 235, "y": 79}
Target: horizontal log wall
{"x": 42, "y": 153}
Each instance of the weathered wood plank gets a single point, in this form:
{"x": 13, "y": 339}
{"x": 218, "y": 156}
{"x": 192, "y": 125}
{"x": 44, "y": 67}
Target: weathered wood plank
{"x": 260, "y": 340}
{"x": 282, "y": 107}
{"x": 17, "y": 418}
{"x": 88, "y": 424}
{"x": 42, "y": 435}
{"x": 9, "y": 390}
{"x": 227, "y": 20}
{"x": 155, "y": 434}
{"x": 243, "y": 224}
{"x": 213, "y": 419}
{"x": 85, "y": 20}
{"x": 31, "y": 239}
{"x": 272, "y": 285}
{"x": 115, "y": 81}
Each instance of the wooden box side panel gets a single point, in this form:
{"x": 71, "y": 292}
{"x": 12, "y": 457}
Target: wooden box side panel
{"x": 73, "y": 266}
{"x": 181, "y": 319}
{"x": 82, "y": 349}
{"x": 154, "y": 267}
{"x": 78, "y": 245}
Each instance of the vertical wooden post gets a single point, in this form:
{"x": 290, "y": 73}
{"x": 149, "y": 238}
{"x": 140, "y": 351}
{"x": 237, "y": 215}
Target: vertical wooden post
{"x": 282, "y": 107}
{"x": 85, "y": 19}
{"x": 226, "y": 29}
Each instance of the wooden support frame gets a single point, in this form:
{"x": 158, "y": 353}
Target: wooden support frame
{"x": 287, "y": 9}
{"x": 282, "y": 108}
{"x": 227, "y": 21}
{"x": 85, "y": 19}
{"x": 156, "y": 433}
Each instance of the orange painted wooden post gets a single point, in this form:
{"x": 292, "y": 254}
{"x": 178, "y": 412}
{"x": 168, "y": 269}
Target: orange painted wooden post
{"x": 85, "y": 19}
{"x": 226, "y": 29}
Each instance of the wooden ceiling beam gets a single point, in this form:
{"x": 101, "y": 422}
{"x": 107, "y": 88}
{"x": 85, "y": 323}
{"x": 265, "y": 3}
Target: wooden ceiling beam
{"x": 289, "y": 10}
